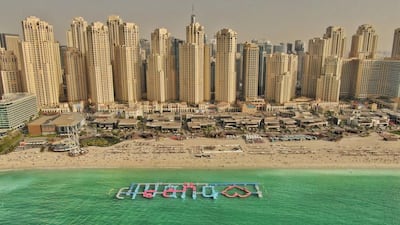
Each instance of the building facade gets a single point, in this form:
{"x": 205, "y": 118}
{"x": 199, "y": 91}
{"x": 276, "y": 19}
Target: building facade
{"x": 328, "y": 84}
{"x": 191, "y": 64}
{"x": 225, "y": 75}
{"x": 250, "y": 71}
{"x": 364, "y": 42}
{"x": 127, "y": 66}
{"x": 318, "y": 49}
{"x": 161, "y": 76}
{"x": 396, "y": 44}
{"x": 75, "y": 75}
{"x": 75, "y": 60}
{"x": 336, "y": 40}
{"x": 100, "y": 82}
{"x": 281, "y": 77}
{"x": 10, "y": 80}
{"x": 11, "y": 42}
{"x": 17, "y": 109}
{"x": 41, "y": 67}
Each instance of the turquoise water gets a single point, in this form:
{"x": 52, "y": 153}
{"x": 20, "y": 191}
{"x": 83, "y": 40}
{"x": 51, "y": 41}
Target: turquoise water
{"x": 290, "y": 197}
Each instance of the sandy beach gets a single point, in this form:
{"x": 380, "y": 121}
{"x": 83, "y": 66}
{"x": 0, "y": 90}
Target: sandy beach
{"x": 350, "y": 152}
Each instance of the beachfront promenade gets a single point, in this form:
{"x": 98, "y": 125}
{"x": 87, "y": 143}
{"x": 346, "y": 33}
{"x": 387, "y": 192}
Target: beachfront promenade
{"x": 351, "y": 151}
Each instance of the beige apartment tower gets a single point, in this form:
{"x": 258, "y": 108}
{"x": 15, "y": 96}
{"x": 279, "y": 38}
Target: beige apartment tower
{"x": 225, "y": 75}
{"x": 364, "y": 42}
{"x": 250, "y": 71}
{"x": 9, "y": 74}
{"x": 127, "y": 67}
{"x": 100, "y": 82}
{"x": 161, "y": 76}
{"x": 11, "y": 42}
{"x": 75, "y": 75}
{"x": 318, "y": 49}
{"x": 113, "y": 23}
{"x": 191, "y": 64}
{"x": 75, "y": 59}
{"x": 77, "y": 35}
{"x": 41, "y": 65}
{"x": 281, "y": 77}
{"x": 328, "y": 85}
{"x": 336, "y": 40}
{"x": 396, "y": 44}
{"x": 208, "y": 59}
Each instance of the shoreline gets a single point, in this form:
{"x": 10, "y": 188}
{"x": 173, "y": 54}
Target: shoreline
{"x": 352, "y": 152}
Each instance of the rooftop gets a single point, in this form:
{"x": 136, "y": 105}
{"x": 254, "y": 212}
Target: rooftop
{"x": 7, "y": 98}
{"x": 68, "y": 119}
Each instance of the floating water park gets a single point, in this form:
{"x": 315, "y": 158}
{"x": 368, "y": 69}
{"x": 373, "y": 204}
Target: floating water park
{"x": 182, "y": 190}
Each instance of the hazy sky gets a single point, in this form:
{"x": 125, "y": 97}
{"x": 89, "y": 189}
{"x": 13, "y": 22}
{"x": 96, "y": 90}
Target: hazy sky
{"x": 274, "y": 20}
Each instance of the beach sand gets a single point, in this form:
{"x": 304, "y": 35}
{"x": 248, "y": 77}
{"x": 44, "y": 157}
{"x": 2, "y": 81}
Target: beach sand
{"x": 349, "y": 152}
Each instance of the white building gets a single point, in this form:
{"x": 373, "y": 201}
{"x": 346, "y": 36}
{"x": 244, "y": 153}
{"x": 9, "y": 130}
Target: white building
{"x": 16, "y": 109}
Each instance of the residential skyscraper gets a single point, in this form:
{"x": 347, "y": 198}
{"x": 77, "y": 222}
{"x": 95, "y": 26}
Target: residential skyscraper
{"x": 101, "y": 90}
{"x": 191, "y": 64}
{"x": 328, "y": 85}
{"x": 337, "y": 40}
{"x": 378, "y": 78}
{"x": 113, "y": 23}
{"x": 370, "y": 78}
{"x": 11, "y": 43}
{"x": 157, "y": 75}
{"x": 207, "y": 79}
{"x": 225, "y": 75}
{"x": 281, "y": 77}
{"x": 9, "y": 75}
{"x": 77, "y": 35}
{"x": 250, "y": 71}
{"x": 364, "y": 42}
{"x": 299, "y": 46}
{"x": 314, "y": 61}
{"x": 396, "y": 44}
{"x": 175, "y": 43}
{"x": 289, "y": 48}
{"x": 127, "y": 65}
{"x": 41, "y": 62}
{"x": 75, "y": 75}
{"x": 75, "y": 59}
{"x": 348, "y": 78}
{"x": 239, "y": 70}
{"x": 331, "y": 45}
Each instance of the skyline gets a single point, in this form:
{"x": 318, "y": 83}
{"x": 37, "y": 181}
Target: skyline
{"x": 315, "y": 16}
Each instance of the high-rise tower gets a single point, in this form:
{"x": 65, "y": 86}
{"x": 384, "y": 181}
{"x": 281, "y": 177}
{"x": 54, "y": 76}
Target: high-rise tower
{"x": 127, "y": 66}
{"x": 281, "y": 77}
{"x": 41, "y": 62}
{"x": 331, "y": 45}
{"x": 337, "y": 40}
{"x": 225, "y": 75}
{"x": 75, "y": 61}
{"x": 101, "y": 91}
{"x": 161, "y": 77}
{"x": 396, "y": 44}
{"x": 250, "y": 71}
{"x": 364, "y": 42}
{"x": 191, "y": 64}
{"x": 113, "y": 23}
{"x": 9, "y": 74}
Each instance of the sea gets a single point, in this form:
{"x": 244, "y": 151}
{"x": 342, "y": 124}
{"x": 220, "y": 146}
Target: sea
{"x": 87, "y": 196}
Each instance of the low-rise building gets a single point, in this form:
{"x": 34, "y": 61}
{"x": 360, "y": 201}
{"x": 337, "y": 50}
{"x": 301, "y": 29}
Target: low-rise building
{"x": 17, "y": 109}
{"x": 271, "y": 124}
{"x": 63, "y": 124}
